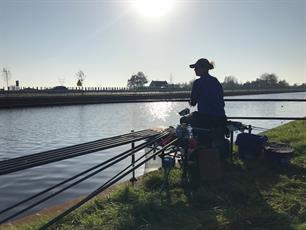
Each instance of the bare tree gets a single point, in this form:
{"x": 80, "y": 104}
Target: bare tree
{"x": 6, "y": 73}
{"x": 80, "y": 76}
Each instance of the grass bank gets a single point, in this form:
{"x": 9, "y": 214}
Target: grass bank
{"x": 250, "y": 196}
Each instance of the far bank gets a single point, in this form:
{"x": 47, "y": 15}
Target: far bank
{"x": 57, "y": 98}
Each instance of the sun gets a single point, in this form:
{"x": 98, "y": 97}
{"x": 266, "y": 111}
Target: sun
{"x": 153, "y": 8}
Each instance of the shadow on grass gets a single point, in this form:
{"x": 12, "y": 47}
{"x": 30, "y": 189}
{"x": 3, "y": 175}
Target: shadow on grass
{"x": 250, "y": 196}
{"x": 235, "y": 202}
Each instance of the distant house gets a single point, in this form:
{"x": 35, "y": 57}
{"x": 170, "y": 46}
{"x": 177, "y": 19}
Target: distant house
{"x": 59, "y": 89}
{"x": 158, "y": 84}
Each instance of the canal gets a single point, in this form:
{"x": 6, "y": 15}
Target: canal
{"x": 26, "y": 131}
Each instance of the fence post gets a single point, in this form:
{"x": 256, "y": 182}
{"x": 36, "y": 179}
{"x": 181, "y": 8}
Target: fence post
{"x": 133, "y": 179}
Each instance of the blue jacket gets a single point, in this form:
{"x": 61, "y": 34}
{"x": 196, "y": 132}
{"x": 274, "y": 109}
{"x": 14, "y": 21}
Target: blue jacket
{"x": 207, "y": 92}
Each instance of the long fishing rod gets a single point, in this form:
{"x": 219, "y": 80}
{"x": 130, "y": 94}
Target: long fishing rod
{"x": 263, "y": 99}
{"x": 74, "y": 148}
{"x": 102, "y": 188}
{"x": 76, "y": 182}
{"x": 269, "y": 118}
{"x": 145, "y": 154}
{"x": 27, "y": 163}
{"x": 259, "y": 128}
{"x": 244, "y": 99}
{"x": 81, "y": 150}
{"x": 78, "y": 175}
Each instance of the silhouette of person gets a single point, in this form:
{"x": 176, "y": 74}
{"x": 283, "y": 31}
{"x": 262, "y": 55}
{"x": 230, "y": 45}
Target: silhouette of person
{"x": 207, "y": 94}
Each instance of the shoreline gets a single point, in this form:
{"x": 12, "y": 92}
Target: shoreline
{"x": 22, "y": 100}
{"x": 54, "y": 210}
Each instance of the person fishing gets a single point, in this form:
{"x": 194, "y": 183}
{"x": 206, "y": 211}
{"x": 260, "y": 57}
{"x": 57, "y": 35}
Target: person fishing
{"x": 207, "y": 94}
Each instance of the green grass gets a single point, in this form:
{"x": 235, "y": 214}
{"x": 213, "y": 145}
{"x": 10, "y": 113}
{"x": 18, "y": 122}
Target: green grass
{"x": 254, "y": 196}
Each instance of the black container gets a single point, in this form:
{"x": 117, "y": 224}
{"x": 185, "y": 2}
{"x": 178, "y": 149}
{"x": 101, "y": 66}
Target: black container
{"x": 279, "y": 153}
{"x": 250, "y": 146}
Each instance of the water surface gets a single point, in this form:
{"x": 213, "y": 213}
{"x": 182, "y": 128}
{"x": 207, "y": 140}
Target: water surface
{"x": 32, "y": 130}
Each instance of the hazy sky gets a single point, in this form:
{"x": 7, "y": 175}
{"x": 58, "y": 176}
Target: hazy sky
{"x": 44, "y": 43}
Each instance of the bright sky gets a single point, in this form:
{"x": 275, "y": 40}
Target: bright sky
{"x": 44, "y": 43}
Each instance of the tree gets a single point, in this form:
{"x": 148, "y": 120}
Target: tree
{"x": 137, "y": 80}
{"x": 7, "y": 76}
{"x": 269, "y": 80}
{"x": 230, "y": 82}
{"x": 80, "y": 76}
{"x": 283, "y": 84}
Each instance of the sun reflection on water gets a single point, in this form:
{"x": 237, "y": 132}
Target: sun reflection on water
{"x": 160, "y": 110}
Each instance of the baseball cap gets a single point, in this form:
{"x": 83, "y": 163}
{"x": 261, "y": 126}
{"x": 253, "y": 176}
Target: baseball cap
{"x": 202, "y": 63}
